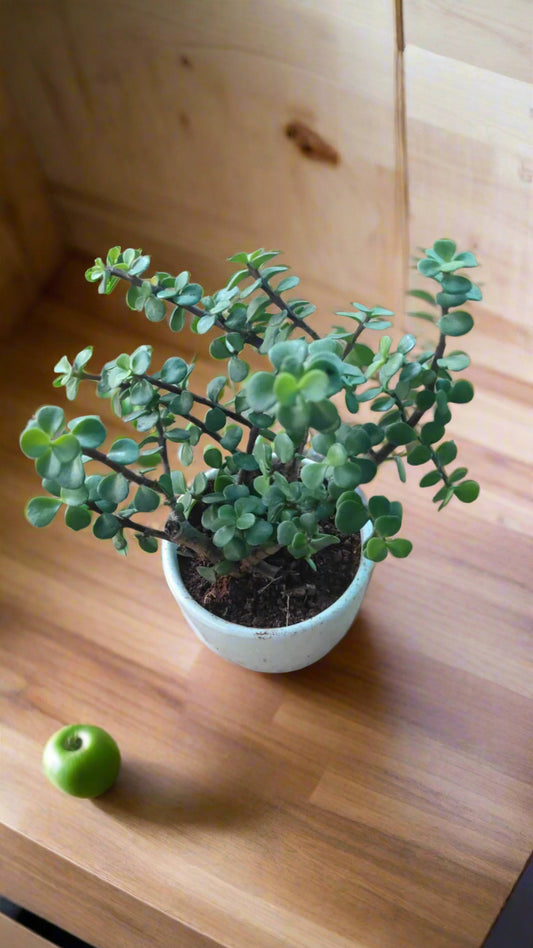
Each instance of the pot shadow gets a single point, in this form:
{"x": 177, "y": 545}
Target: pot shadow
{"x": 356, "y": 673}
{"x": 152, "y": 793}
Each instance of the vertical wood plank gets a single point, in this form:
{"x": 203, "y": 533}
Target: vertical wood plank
{"x": 167, "y": 127}
{"x": 30, "y": 245}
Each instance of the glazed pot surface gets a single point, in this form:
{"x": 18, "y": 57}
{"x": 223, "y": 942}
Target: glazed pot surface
{"x": 283, "y": 649}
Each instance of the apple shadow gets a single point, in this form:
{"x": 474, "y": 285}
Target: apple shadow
{"x": 149, "y": 792}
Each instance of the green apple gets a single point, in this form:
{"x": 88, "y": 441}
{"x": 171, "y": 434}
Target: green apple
{"x": 82, "y": 760}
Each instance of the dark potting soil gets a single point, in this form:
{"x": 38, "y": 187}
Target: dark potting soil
{"x": 295, "y": 594}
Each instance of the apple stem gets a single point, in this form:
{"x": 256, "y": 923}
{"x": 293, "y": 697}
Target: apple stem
{"x": 73, "y": 743}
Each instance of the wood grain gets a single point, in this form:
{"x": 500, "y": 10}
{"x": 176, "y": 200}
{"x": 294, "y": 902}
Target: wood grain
{"x": 13, "y": 935}
{"x": 469, "y": 157}
{"x": 30, "y": 243}
{"x": 167, "y": 126}
{"x": 380, "y": 799}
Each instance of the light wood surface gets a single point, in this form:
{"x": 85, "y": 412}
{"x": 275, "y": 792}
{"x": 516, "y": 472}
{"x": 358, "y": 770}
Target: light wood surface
{"x": 468, "y": 75}
{"x": 380, "y": 799}
{"x": 30, "y": 242}
{"x": 165, "y": 124}
{"x": 13, "y": 935}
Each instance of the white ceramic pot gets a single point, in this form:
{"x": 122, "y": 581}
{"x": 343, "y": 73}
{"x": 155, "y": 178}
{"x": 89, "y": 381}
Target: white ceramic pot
{"x": 264, "y": 649}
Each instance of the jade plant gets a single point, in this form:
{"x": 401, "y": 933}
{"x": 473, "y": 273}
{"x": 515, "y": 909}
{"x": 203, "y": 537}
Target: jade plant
{"x": 284, "y": 449}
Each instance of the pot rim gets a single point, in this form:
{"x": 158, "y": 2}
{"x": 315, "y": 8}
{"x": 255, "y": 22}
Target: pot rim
{"x": 169, "y": 556}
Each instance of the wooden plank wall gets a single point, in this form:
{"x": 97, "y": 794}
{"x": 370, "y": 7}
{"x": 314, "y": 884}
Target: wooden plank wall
{"x": 165, "y": 125}
{"x": 30, "y": 243}
{"x": 468, "y": 72}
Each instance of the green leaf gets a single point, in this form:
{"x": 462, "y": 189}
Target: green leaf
{"x": 146, "y": 499}
{"x": 431, "y": 432}
{"x": 83, "y": 358}
{"x": 154, "y": 309}
{"x": 260, "y": 391}
{"x": 458, "y": 474}
{"x": 422, "y": 295}
{"x": 89, "y": 430}
{"x": 419, "y": 454}
{"x": 287, "y": 284}
{"x": 284, "y": 447}
{"x": 207, "y": 572}
{"x": 141, "y": 393}
{"x": 260, "y": 533}
{"x": 314, "y": 385}
{"x": 77, "y": 518}
{"x": 72, "y": 474}
{"x": 245, "y": 521}
{"x": 231, "y": 437}
{"x": 400, "y": 433}
{"x": 401, "y": 468}
{"x": 224, "y": 535}
{"x": 324, "y": 416}
{"x": 289, "y": 354}
{"x": 124, "y": 451}
{"x": 174, "y": 370}
{"x": 461, "y": 392}
{"x": 205, "y": 323}
{"x": 337, "y": 455}
{"x": 237, "y": 369}
{"x": 212, "y": 457}
{"x": 50, "y": 419}
{"x": 147, "y": 544}
{"x": 425, "y": 399}
{"x": 399, "y": 548}
{"x": 430, "y": 479}
{"x": 215, "y": 419}
{"x": 454, "y": 361}
{"x": 74, "y": 498}
{"x": 140, "y": 359}
{"x": 375, "y": 549}
{"x": 457, "y": 323}
{"x": 47, "y": 465}
{"x": 427, "y": 267}
{"x": 445, "y": 249}
{"x": 186, "y": 454}
{"x": 176, "y": 320}
{"x": 285, "y": 388}
{"x": 66, "y": 448}
{"x": 34, "y": 442}
{"x": 467, "y": 491}
{"x": 447, "y": 452}
{"x": 379, "y": 506}
{"x": 105, "y": 526}
{"x": 40, "y": 511}
{"x": 312, "y": 475}
{"x": 350, "y": 517}
{"x": 388, "y": 525}
{"x": 245, "y": 462}
{"x": 215, "y": 387}
{"x": 347, "y": 475}
{"x": 113, "y": 487}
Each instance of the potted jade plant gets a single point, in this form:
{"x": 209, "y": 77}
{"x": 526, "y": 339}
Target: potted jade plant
{"x": 269, "y": 547}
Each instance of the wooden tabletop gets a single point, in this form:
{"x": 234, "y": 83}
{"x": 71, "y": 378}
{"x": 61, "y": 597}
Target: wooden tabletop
{"x": 379, "y": 799}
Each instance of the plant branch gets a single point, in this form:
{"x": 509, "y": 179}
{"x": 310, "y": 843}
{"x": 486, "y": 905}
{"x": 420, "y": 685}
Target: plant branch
{"x": 178, "y": 390}
{"x": 251, "y": 337}
{"x": 125, "y": 471}
{"x": 131, "y": 524}
{"x": 355, "y": 337}
{"x": 280, "y": 302}
{"x": 414, "y": 418}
